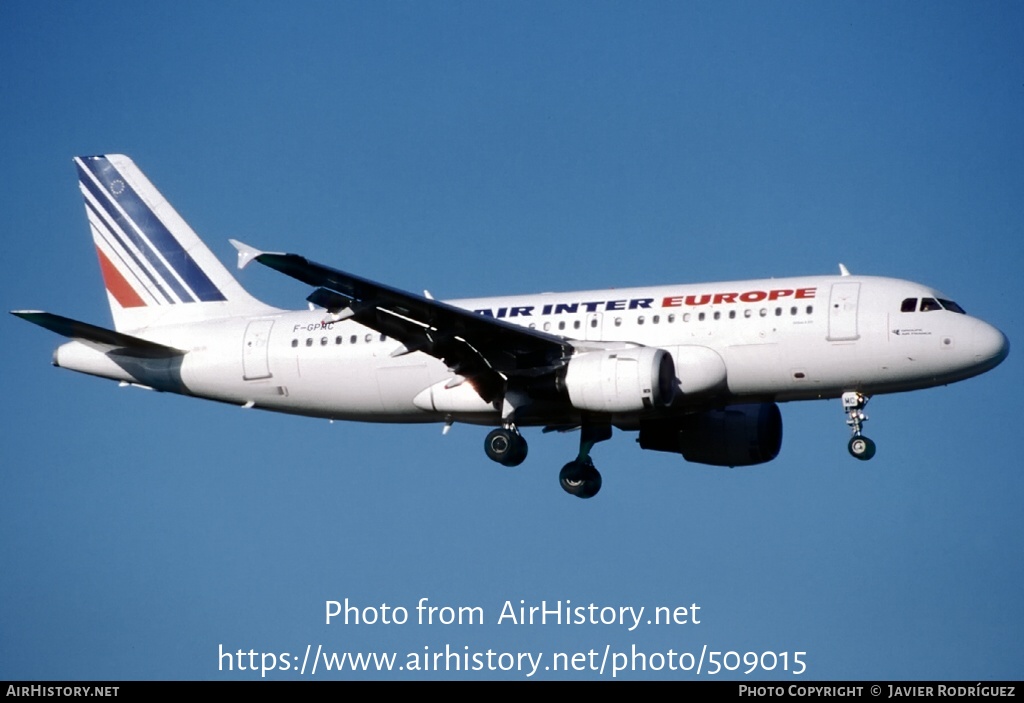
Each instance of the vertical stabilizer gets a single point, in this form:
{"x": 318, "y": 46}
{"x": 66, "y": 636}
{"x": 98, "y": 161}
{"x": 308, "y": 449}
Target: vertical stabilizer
{"x": 156, "y": 269}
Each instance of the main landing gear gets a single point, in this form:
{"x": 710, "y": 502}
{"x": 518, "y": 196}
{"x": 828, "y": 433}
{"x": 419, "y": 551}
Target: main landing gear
{"x": 506, "y": 446}
{"x": 860, "y": 447}
{"x": 579, "y": 477}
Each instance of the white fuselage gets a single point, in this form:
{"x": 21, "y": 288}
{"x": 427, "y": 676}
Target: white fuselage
{"x": 746, "y": 341}
{"x": 696, "y": 370}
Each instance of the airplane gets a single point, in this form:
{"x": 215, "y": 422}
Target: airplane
{"x": 696, "y": 370}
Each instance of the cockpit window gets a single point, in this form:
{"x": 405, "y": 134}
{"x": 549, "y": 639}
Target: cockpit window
{"x": 951, "y": 306}
{"x": 930, "y": 304}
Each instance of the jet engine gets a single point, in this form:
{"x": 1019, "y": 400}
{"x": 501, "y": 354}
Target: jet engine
{"x": 738, "y": 435}
{"x": 621, "y": 380}
{"x": 700, "y": 369}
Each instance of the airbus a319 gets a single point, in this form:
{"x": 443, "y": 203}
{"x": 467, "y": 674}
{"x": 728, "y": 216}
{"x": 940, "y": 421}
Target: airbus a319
{"x": 696, "y": 370}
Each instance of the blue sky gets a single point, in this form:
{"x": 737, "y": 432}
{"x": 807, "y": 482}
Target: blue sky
{"x": 488, "y": 148}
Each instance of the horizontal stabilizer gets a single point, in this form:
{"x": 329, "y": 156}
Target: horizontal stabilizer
{"x": 103, "y": 339}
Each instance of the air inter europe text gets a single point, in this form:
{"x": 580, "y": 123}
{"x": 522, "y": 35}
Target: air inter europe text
{"x": 672, "y": 301}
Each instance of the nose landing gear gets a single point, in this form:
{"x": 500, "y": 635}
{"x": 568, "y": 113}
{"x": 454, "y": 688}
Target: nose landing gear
{"x": 860, "y": 447}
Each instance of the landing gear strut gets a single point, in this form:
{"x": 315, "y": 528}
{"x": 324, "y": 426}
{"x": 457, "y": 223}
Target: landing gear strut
{"x": 860, "y": 447}
{"x": 579, "y": 477}
{"x": 506, "y": 446}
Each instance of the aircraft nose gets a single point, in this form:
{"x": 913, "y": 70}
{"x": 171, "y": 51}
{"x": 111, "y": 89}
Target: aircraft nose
{"x": 990, "y": 346}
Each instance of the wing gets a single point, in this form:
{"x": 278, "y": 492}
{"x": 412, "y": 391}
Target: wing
{"x": 483, "y": 350}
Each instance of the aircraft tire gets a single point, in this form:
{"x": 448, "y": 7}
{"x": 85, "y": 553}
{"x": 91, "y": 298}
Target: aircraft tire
{"x": 506, "y": 447}
{"x": 861, "y": 448}
{"x": 580, "y": 478}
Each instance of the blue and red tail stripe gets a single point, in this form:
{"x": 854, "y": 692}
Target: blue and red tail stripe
{"x": 143, "y": 245}
{"x": 129, "y": 265}
{"x": 116, "y": 284}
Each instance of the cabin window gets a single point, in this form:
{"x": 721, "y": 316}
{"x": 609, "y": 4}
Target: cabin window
{"x": 593, "y": 322}
{"x": 810, "y": 309}
{"x": 792, "y": 310}
{"x": 763, "y": 312}
{"x": 778, "y": 312}
{"x": 337, "y": 340}
{"x": 368, "y": 337}
{"x": 295, "y": 342}
{"x": 748, "y": 312}
{"x": 561, "y": 325}
{"x": 671, "y": 317}
{"x": 656, "y": 319}
{"x": 732, "y": 314}
{"x": 309, "y": 341}
{"x": 640, "y": 320}
{"x": 323, "y": 341}
{"x": 576, "y": 325}
{"x": 700, "y": 317}
{"x": 686, "y": 317}
{"x": 353, "y": 339}
{"x": 718, "y": 315}
{"x": 547, "y": 326}
{"x": 618, "y": 322}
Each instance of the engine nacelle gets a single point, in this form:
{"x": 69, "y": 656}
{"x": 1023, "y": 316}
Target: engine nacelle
{"x": 699, "y": 369}
{"x": 621, "y": 380}
{"x": 739, "y": 435}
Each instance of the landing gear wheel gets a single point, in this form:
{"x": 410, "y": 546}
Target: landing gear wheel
{"x": 580, "y": 478}
{"x": 505, "y": 446}
{"x": 853, "y": 405}
{"x": 861, "y": 448}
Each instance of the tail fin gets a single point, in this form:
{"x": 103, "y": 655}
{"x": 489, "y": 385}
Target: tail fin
{"x": 156, "y": 269}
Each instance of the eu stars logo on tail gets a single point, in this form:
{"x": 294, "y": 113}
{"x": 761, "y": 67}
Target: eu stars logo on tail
{"x": 697, "y": 370}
